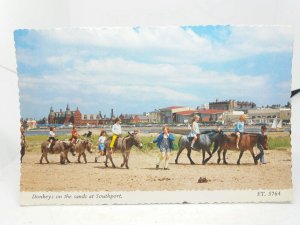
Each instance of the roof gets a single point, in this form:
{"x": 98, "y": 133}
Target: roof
{"x": 187, "y": 112}
{"x": 206, "y": 111}
{"x": 211, "y": 111}
{"x": 174, "y": 107}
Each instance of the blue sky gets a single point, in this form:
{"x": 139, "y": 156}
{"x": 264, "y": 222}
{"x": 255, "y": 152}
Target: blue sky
{"x": 135, "y": 70}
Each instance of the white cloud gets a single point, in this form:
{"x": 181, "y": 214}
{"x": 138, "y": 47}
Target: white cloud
{"x": 142, "y": 82}
{"x": 169, "y": 70}
{"x": 178, "y": 44}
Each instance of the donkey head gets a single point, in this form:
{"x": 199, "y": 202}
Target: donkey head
{"x": 136, "y": 139}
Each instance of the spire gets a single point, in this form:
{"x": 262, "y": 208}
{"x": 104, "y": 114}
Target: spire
{"x": 51, "y": 112}
{"x": 68, "y": 112}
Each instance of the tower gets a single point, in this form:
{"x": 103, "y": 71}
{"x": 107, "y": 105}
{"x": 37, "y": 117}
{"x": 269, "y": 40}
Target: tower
{"x": 68, "y": 115}
{"x": 112, "y": 116}
{"x": 77, "y": 117}
{"x": 51, "y": 116}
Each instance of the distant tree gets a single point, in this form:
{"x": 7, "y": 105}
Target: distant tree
{"x": 288, "y": 105}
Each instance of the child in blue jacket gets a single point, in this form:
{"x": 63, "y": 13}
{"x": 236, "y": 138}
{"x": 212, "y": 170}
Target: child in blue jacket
{"x": 165, "y": 144}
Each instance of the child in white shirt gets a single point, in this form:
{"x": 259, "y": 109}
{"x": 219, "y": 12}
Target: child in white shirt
{"x": 101, "y": 144}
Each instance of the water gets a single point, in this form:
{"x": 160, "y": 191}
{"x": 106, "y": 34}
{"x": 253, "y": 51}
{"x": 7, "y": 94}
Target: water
{"x": 46, "y": 133}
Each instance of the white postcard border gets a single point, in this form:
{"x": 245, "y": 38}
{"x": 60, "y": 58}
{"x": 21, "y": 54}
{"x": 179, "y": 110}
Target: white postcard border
{"x": 156, "y": 197}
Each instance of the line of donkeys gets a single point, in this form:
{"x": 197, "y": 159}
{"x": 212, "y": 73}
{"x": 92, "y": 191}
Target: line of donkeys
{"x": 220, "y": 141}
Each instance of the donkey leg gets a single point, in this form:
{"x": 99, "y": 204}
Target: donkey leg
{"x": 78, "y": 158}
{"x": 62, "y": 158}
{"x": 254, "y": 158}
{"x": 178, "y": 154}
{"x": 189, "y": 151}
{"x": 224, "y": 156}
{"x": 41, "y": 159}
{"x": 209, "y": 157}
{"x": 241, "y": 154}
{"x": 84, "y": 157}
{"x": 127, "y": 158}
{"x": 124, "y": 158}
{"x": 67, "y": 158}
{"x": 219, "y": 155}
{"x": 112, "y": 163}
{"x": 46, "y": 157}
{"x": 106, "y": 158}
{"x": 203, "y": 155}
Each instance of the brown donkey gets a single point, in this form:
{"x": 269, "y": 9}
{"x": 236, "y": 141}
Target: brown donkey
{"x": 248, "y": 142}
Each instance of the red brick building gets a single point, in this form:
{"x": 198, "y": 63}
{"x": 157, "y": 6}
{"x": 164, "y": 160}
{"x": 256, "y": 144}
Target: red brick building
{"x": 76, "y": 118}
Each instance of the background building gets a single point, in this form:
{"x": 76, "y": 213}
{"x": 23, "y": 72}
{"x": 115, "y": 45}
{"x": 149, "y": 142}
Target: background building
{"x": 232, "y": 105}
{"x": 267, "y": 115}
{"x": 77, "y": 118}
{"x": 168, "y": 114}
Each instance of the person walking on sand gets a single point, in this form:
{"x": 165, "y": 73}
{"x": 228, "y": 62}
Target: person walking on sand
{"x": 165, "y": 144}
{"x": 261, "y": 155}
{"x": 117, "y": 131}
{"x": 195, "y": 132}
{"x": 239, "y": 129}
{"x": 101, "y": 144}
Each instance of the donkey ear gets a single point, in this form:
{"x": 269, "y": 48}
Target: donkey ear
{"x": 130, "y": 133}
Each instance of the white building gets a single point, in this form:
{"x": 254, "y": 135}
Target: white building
{"x": 267, "y": 115}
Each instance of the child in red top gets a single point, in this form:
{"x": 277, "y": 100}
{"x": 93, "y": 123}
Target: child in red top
{"x": 75, "y": 135}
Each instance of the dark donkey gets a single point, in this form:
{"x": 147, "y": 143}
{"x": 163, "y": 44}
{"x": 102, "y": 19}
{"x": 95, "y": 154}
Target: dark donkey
{"x": 248, "y": 142}
{"x": 204, "y": 143}
{"x": 124, "y": 144}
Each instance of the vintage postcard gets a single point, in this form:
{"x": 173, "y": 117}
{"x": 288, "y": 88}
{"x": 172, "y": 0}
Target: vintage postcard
{"x": 134, "y": 115}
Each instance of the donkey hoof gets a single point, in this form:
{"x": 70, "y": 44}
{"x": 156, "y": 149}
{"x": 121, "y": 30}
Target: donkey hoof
{"x": 176, "y": 162}
{"x": 218, "y": 161}
{"x": 122, "y": 165}
{"x": 238, "y": 163}
{"x": 106, "y": 165}
{"x": 127, "y": 167}
{"x": 192, "y": 163}
{"x": 226, "y": 163}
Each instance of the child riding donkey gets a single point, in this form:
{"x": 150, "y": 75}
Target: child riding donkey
{"x": 195, "y": 132}
{"x": 51, "y": 138}
{"x": 117, "y": 131}
{"x": 239, "y": 129}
